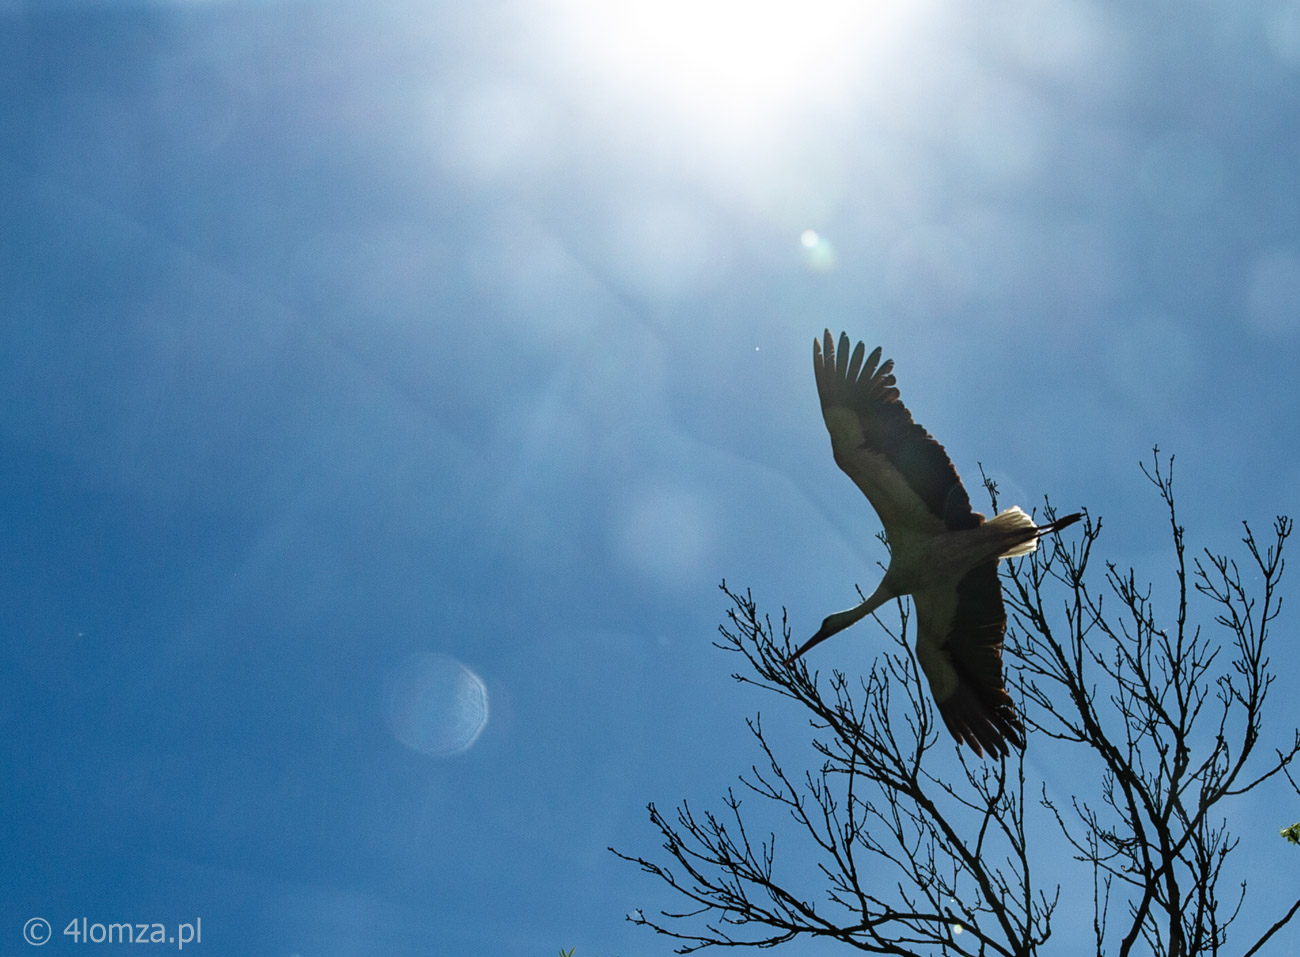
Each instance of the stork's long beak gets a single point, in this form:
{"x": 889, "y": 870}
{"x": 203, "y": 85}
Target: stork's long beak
{"x": 833, "y": 625}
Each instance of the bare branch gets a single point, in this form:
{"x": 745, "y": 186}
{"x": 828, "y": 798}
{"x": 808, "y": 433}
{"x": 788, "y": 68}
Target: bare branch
{"x": 919, "y": 849}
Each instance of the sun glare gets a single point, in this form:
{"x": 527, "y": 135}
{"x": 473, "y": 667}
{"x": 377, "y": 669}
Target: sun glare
{"x": 728, "y": 60}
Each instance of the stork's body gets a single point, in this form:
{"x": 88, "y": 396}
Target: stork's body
{"x": 942, "y": 552}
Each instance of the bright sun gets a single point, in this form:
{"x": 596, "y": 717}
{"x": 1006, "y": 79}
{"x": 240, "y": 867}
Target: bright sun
{"x": 729, "y": 61}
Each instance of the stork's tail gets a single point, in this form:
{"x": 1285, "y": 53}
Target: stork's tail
{"x": 1021, "y": 531}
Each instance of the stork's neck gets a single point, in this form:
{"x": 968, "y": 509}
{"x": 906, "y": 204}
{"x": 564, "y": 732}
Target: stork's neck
{"x": 883, "y": 594}
{"x": 843, "y": 619}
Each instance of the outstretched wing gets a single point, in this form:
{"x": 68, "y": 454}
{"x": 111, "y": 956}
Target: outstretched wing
{"x": 902, "y": 470}
{"x": 959, "y": 646}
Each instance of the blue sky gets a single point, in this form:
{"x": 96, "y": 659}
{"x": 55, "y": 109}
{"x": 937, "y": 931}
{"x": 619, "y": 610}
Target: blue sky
{"x": 356, "y": 349}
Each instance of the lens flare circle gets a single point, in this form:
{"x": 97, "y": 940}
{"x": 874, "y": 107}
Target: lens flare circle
{"x": 435, "y": 705}
{"x": 818, "y": 252}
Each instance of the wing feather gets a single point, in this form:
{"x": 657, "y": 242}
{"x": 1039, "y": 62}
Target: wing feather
{"x": 902, "y": 470}
{"x": 979, "y": 711}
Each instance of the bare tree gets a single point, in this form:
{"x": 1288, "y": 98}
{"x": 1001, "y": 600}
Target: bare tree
{"x": 920, "y": 849}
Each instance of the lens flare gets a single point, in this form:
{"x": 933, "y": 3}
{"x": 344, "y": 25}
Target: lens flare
{"x": 435, "y": 705}
{"x": 818, "y": 252}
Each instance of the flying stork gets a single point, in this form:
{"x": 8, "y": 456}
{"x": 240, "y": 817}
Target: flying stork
{"x": 942, "y": 552}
